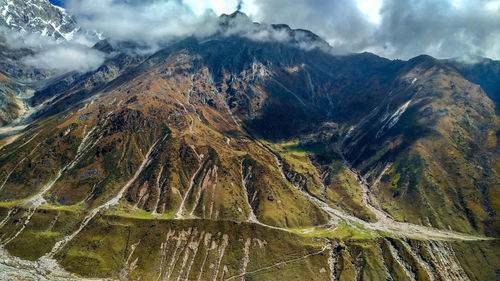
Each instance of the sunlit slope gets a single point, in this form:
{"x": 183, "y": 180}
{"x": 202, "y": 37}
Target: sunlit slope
{"x": 232, "y": 159}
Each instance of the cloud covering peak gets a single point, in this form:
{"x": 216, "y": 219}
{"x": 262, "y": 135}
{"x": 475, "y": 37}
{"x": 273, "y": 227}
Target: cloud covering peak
{"x": 151, "y": 24}
{"x": 146, "y": 22}
{"x": 391, "y": 28}
{"x": 396, "y": 28}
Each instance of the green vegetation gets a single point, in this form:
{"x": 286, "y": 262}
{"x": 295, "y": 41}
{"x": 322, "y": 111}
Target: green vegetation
{"x": 395, "y": 180}
{"x": 184, "y": 211}
{"x": 341, "y": 231}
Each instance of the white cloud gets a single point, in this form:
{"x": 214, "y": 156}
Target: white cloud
{"x": 391, "y": 28}
{"x": 54, "y": 55}
{"x": 152, "y": 24}
{"x": 395, "y": 28}
{"x": 223, "y": 6}
{"x": 66, "y": 57}
{"x": 147, "y": 22}
{"x": 22, "y": 39}
{"x": 371, "y": 9}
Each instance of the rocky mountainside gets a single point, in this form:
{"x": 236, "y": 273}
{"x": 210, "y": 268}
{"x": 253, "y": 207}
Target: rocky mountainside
{"x": 238, "y": 158}
{"x": 25, "y": 28}
{"x": 482, "y": 71}
{"x": 37, "y": 16}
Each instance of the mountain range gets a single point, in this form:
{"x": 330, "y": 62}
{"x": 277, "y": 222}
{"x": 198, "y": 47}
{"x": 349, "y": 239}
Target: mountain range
{"x": 238, "y": 157}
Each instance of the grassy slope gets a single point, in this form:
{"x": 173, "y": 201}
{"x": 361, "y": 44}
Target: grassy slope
{"x": 127, "y": 129}
{"x": 117, "y": 247}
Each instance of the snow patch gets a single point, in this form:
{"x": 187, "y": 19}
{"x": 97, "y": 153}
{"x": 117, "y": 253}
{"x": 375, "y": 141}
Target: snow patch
{"x": 393, "y": 120}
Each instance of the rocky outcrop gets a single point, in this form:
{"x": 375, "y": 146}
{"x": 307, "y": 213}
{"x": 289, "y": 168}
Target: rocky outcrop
{"x": 37, "y": 16}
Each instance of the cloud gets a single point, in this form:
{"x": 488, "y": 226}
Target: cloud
{"x": 22, "y": 39}
{"x": 241, "y": 25}
{"x": 340, "y": 21}
{"x": 391, "y": 28}
{"x": 65, "y": 58}
{"x": 149, "y": 22}
{"x": 58, "y": 56}
{"x": 439, "y": 28}
{"x": 400, "y": 29}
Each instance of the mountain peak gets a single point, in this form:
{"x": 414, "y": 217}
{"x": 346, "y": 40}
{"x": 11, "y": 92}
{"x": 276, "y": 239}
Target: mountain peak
{"x": 241, "y": 24}
{"x": 238, "y": 154}
{"x": 229, "y": 20}
{"x": 236, "y": 14}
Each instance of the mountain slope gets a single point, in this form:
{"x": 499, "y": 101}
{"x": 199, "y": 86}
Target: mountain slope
{"x": 432, "y": 145}
{"x": 482, "y": 71}
{"x": 233, "y": 158}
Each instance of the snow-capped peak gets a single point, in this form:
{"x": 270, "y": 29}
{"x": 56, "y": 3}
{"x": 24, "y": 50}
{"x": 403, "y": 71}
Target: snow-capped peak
{"x": 37, "y": 16}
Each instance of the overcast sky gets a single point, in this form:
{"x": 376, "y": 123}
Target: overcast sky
{"x": 391, "y": 28}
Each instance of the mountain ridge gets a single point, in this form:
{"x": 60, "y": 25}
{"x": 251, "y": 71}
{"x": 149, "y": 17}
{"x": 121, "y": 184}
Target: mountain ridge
{"x": 235, "y": 158}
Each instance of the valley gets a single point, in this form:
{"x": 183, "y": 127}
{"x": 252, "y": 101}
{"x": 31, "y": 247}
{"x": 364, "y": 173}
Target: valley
{"x": 231, "y": 158}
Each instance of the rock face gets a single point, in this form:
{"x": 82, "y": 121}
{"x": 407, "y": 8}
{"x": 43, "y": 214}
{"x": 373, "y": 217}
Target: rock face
{"x": 482, "y": 71}
{"x": 37, "y": 16}
{"x": 17, "y": 80}
{"x": 14, "y": 100}
{"x": 232, "y": 158}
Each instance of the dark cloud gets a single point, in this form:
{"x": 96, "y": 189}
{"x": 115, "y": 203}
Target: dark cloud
{"x": 407, "y": 28}
{"x": 338, "y": 21}
{"x": 152, "y": 24}
{"x": 440, "y": 28}
{"x": 403, "y": 28}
